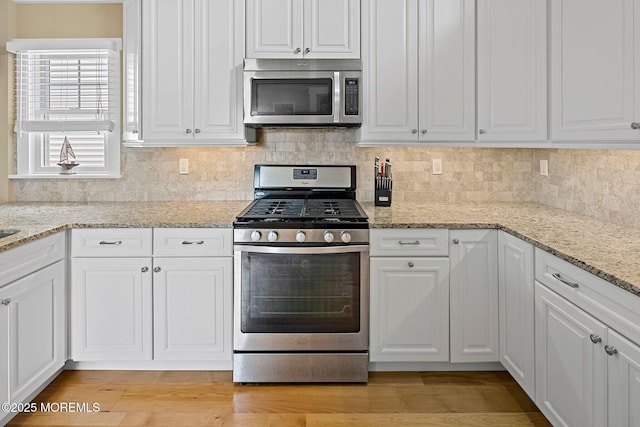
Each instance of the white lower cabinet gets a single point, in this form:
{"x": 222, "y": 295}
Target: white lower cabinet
{"x": 111, "y": 309}
{"x": 142, "y": 295}
{"x": 33, "y": 324}
{"x": 409, "y": 309}
{"x": 473, "y": 281}
{"x": 192, "y": 308}
{"x": 516, "y": 309}
{"x": 587, "y": 352}
{"x": 624, "y": 381}
{"x": 434, "y": 295}
{"x": 571, "y": 366}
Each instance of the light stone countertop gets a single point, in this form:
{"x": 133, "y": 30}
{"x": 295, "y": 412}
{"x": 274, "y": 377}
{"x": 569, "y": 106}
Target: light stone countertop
{"x": 609, "y": 251}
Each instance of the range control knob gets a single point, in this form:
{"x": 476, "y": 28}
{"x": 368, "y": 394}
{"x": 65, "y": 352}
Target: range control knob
{"x": 345, "y": 236}
{"x": 300, "y": 236}
{"x": 272, "y": 236}
{"x": 328, "y": 236}
{"x": 255, "y": 235}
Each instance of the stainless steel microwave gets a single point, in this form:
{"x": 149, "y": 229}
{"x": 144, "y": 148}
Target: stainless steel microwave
{"x": 302, "y": 93}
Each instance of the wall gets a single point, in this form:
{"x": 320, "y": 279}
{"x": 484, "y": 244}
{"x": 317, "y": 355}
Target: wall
{"x": 7, "y": 32}
{"x": 602, "y": 184}
{"x": 227, "y": 173}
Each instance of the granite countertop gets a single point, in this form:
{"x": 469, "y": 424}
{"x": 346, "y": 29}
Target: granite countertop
{"x": 609, "y": 251}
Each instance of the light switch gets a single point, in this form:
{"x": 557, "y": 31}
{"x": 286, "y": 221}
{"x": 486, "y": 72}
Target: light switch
{"x": 184, "y": 167}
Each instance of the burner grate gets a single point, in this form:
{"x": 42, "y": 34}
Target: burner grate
{"x": 331, "y": 208}
{"x": 276, "y": 208}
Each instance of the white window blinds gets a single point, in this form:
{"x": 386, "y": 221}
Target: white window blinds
{"x": 66, "y": 85}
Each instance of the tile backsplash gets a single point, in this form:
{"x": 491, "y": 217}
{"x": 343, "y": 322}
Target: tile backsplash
{"x": 597, "y": 183}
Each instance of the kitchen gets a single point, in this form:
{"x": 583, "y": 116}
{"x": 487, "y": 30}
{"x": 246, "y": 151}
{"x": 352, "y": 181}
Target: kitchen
{"x": 596, "y": 183}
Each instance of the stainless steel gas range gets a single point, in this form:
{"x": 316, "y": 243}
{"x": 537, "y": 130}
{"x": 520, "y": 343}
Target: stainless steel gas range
{"x": 301, "y": 278}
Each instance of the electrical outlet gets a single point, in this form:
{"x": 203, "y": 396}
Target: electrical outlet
{"x": 437, "y": 166}
{"x": 544, "y": 167}
{"x": 184, "y": 167}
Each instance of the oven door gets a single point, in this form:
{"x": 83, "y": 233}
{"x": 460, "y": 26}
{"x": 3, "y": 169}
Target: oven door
{"x": 301, "y": 298}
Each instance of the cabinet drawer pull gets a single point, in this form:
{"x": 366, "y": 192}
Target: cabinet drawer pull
{"x": 403, "y": 243}
{"x": 595, "y": 338}
{"x": 557, "y": 276}
{"x": 187, "y": 242}
{"x": 116, "y": 242}
{"x": 610, "y": 350}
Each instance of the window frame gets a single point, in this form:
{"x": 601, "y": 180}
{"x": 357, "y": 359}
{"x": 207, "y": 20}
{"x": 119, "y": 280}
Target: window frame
{"x": 29, "y": 147}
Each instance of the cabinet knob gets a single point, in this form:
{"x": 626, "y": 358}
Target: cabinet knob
{"x": 414, "y": 130}
{"x": 410, "y": 264}
{"x": 197, "y": 130}
{"x": 456, "y": 241}
{"x": 6, "y": 301}
{"x": 610, "y": 350}
{"x": 188, "y": 131}
{"x": 134, "y": 131}
{"x": 157, "y": 269}
{"x": 297, "y": 51}
{"x": 144, "y": 269}
{"x": 635, "y": 125}
{"x": 595, "y": 338}
{"x": 424, "y": 131}
{"x": 482, "y": 131}
{"x": 307, "y": 50}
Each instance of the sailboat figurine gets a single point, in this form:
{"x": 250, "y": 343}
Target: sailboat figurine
{"x": 67, "y": 158}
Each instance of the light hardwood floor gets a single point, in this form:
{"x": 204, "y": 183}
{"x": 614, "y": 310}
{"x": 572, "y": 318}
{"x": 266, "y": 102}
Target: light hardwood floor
{"x": 188, "y": 398}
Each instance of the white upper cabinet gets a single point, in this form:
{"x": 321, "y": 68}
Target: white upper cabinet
{"x": 419, "y": 71}
{"x": 595, "y": 70}
{"x": 191, "y": 61}
{"x": 512, "y": 70}
{"x": 303, "y": 28}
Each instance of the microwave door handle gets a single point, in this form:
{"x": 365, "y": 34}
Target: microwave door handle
{"x": 337, "y": 92}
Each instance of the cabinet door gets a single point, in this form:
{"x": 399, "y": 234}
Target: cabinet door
{"x": 168, "y": 60}
{"x": 516, "y": 309}
{"x": 332, "y": 29}
{"x": 192, "y": 308}
{"x": 571, "y": 370}
{"x": 274, "y": 29}
{"x": 37, "y": 329}
{"x": 512, "y": 70}
{"x": 131, "y": 58}
{"x": 409, "y": 310}
{"x": 111, "y": 309}
{"x": 474, "y": 295}
{"x": 592, "y": 70}
{"x": 390, "y": 66}
{"x": 624, "y": 381}
{"x": 446, "y": 76}
{"x": 219, "y": 41}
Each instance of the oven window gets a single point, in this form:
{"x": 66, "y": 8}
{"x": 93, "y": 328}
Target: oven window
{"x": 291, "y": 97}
{"x": 300, "y": 293}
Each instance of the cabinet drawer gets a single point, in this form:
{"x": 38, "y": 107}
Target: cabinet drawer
{"x": 610, "y": 304}
{"x": 411, "y": 242}
{"x": 111, "y": 242}
{"x": 192, "y": 242}
{"x": 25, "y": 259}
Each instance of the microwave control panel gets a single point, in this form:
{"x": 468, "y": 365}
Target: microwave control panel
{"x": 351, "y": 95}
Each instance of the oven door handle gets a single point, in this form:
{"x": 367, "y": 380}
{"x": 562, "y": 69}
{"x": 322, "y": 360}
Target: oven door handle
{"x": 301, "y": 249}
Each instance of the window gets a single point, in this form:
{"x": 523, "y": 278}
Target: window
{"x": 67, "y": 89}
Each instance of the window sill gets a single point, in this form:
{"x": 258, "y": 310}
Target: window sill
{"x": 73, "y": 176}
